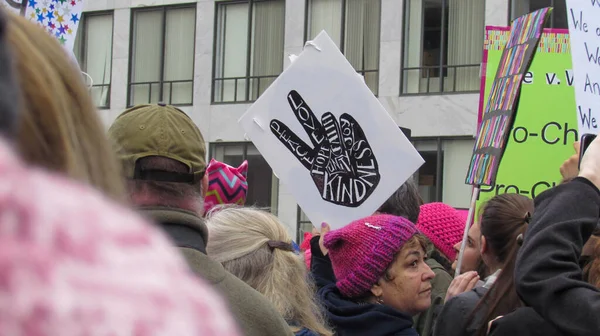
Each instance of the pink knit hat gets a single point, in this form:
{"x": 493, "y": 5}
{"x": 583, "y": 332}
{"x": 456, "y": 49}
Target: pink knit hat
{"x": 361, "y": 251}
{"x": 226, "y": 184}
{"x": 305, "y": 247}
{"x": 443, "y": 225}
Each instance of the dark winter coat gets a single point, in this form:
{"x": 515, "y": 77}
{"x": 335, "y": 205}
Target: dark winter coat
{"x": 454, "y": 319}
{"x": 548, "y": 275}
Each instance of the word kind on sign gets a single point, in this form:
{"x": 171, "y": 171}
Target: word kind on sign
{"x": 341, "y": 164}
{"x": 328, "y": 138}
{"x": 584, "y": 28}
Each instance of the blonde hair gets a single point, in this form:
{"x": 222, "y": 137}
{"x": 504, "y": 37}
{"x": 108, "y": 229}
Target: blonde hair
{"x": 59, "y": 126}
{"x": 238, "y": 239}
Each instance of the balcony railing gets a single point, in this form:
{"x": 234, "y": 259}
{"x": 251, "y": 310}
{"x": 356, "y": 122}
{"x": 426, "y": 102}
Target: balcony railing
{"x": 240, "y": 89}
{"x": 371, "y": 79}
{"x": 176, "y": 92}
{"x": 237, "y": 90}
{"x": 454, "y": 78}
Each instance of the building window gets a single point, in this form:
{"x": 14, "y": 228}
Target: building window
{"x": 93, "y": 50}
{"x": 442, "y": 177}
{"x": 443, "y": 43}
{"x": 456, "y": 160}
{"x": 354, "y": 25}
{"x": 304, "y": 225}
{"x": 429, "y": 177}
{"x": 162, "y": 55}
{"x": 263, "y": 186}
{"x": 430, "y": 184}
{"x": 249, "y": 38}
{"x": 558, "y": 17}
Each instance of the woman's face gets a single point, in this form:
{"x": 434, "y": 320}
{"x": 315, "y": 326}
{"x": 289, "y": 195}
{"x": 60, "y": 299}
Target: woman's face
{"x": 408, "y": 287}
{"x": 472, "y": 253}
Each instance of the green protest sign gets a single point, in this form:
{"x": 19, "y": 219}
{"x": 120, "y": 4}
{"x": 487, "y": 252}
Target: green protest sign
{"x": 545, "y": 126}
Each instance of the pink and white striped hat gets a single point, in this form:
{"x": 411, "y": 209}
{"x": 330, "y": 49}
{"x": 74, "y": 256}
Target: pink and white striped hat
{"x": 226, "y": 184}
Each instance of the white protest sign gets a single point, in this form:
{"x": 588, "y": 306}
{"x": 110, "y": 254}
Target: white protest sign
{"x": 584, "y": 31}
{"x": 328, "y": 138}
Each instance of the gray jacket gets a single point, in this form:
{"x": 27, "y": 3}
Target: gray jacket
{"x": 254, "y": 313}
{"x": 456, "y": 314}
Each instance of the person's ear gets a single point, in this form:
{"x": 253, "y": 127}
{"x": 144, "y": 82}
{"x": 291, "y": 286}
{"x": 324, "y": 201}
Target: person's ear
{"x": 377, "y": 290}
{"x": 483, "y": 247}
{"x": 204, "y": 185}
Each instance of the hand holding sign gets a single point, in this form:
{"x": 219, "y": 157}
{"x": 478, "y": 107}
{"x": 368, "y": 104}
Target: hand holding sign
{"x": 341, "y": 162}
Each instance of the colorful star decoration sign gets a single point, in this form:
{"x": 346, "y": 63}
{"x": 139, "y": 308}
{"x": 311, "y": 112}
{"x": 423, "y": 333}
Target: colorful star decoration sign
{"x": 59, "y": 17}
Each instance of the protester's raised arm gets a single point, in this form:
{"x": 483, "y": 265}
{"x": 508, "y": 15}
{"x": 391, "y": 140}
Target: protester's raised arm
{"x": 320, "y": 264}
{"x": 548, "y": 275}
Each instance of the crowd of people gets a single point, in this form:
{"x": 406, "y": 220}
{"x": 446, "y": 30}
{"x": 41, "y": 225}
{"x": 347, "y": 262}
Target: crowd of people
{"x": 131, "y": 232}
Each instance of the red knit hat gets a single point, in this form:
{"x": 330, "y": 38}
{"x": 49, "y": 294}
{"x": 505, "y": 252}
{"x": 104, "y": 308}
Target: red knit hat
{"x": 443, "y": 225}
{"x": 361, "y": 251}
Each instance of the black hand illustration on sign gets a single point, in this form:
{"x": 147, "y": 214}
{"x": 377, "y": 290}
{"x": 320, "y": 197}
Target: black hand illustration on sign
{"x": 340, "y": 160}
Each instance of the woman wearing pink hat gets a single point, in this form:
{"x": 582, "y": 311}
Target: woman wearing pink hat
{"x": 382, "y": 279}
{"x": 443, "y": 225}
{"x": 503, "y": 221}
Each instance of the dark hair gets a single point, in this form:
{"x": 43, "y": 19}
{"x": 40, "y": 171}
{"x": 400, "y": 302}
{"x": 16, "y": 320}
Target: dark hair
{"x": 170, "y": 194}
{"x": 504, "y": 218}
{"x": 591, "y": 271}
{"x": 442, "y": 260}
{"x": 8, "y": 87}
{"x": 404, "y": 202}
{"x": 482, "y": 269}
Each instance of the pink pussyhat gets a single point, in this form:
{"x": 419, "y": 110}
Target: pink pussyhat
{"x": 361, "y": 251}
{"x": 443, "y": 225}
{"x": 226, "y": 184}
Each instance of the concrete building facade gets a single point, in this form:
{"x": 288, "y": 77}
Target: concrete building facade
{"x": 212, "y": 58}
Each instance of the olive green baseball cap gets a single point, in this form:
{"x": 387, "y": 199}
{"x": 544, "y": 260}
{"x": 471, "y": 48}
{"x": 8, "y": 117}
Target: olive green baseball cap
{"x": 158, "y": 130}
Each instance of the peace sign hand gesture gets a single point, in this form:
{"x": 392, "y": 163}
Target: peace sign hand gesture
{"x": 340, "y": 161}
